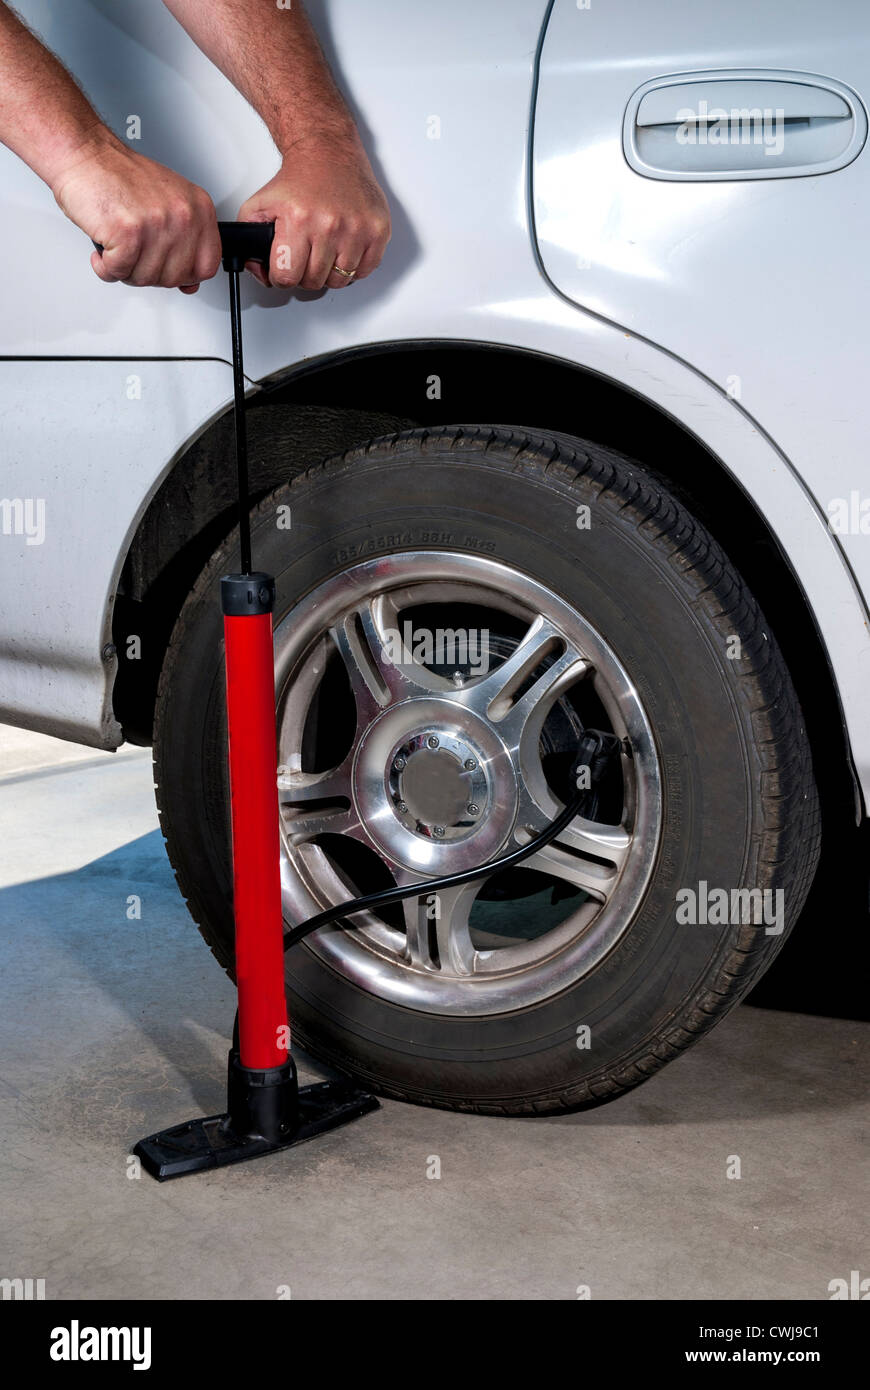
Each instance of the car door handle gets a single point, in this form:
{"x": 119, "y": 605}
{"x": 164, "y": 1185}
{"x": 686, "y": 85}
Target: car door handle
{"x": 740, "y": 125}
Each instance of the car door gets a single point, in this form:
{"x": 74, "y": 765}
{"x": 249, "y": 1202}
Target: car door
{"x": 700, "y": 177}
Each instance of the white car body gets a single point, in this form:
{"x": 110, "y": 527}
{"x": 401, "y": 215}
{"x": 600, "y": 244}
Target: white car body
{"x": 733, "y": 306}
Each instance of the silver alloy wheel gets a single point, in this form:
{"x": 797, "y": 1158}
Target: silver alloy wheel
{"x": 426, "y": 749}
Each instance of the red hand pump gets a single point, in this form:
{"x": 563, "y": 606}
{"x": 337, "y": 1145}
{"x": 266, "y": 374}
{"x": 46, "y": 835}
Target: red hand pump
{"x": 266, "y": 1110}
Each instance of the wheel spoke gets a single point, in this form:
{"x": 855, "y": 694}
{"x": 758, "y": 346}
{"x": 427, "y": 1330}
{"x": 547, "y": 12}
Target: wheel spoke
{"x": 336, "y": 887}
{"x": 494, "y": 697}
{"x": 301, "y": 788}
{"x": 417, "y": 930}
{"x": 317, "y": 803}
{"x": 369, "y": 688}
{"x": 521, "y": 728}
{"x": 368, "y": 639}
{"x": 330, "y": 820}
{"x": 438, "y": 932}
{"x": 575, "y": 855}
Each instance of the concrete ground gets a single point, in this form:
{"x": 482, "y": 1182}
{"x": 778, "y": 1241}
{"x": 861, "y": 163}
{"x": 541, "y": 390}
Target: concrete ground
{"x": 113, "y": 1027}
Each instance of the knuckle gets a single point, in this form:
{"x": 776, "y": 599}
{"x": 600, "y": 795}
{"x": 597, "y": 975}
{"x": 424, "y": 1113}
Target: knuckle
{"x": 121, "y": 263}
{"x": 184, "y": 275}
{"x": 154, "y": 221}
{"x": 129, "y": 236}
{"x": 207, "y": 266}
{"x": 181, "y": 213}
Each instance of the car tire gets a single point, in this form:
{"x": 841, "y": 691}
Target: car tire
{"x": 737, "y": 808}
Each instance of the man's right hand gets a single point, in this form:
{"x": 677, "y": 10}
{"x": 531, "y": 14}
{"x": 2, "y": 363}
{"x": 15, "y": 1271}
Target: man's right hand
{"x": 155, "y": 227}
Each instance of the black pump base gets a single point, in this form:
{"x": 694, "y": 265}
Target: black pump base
{"x": 267, "y": 1113}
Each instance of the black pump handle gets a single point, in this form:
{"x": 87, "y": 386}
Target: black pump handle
{"x": 246, "y": 241}
{"x": 241, "y": 242}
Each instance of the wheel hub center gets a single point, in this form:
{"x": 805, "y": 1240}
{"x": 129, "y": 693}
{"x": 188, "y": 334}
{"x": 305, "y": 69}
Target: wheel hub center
{"x": 434, "y": 786}
{"x": 438, "y": 786}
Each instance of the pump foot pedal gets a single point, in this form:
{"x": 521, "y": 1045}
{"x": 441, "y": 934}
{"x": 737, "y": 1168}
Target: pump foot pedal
{"x": 259, "y": 1101}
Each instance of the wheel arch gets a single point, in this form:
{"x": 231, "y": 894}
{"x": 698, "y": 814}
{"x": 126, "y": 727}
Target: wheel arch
{"x": 306, "y": 413}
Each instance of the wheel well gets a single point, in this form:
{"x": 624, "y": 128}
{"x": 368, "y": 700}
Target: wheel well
{"x": 302, "y": 417}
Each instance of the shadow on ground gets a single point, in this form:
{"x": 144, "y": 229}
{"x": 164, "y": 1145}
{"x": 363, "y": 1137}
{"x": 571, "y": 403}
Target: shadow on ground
{"x": 71, "y": 942}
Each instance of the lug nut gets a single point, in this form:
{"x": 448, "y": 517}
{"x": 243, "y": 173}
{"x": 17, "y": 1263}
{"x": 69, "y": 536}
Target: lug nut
{"x": 432, "y": 741}
{"x": 438, "y": 829}
{"x": 473, "y": 810}
{"x": 401, "y": 806}
{"x": 399, "y": 764}
{"x": 470, "y": 764}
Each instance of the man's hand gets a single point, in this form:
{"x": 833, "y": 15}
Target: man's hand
{"x": 155, "y": 227}
{"x": 328, "y": 211}
{"x": 326, "y": 202}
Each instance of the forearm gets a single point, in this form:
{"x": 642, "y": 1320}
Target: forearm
{"x": 45, "y": 118}
{"x": 156, "y": 228}
{"x": 274, "y": 59}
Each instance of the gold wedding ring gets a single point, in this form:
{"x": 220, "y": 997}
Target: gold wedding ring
{"x": 348, "y": 274}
